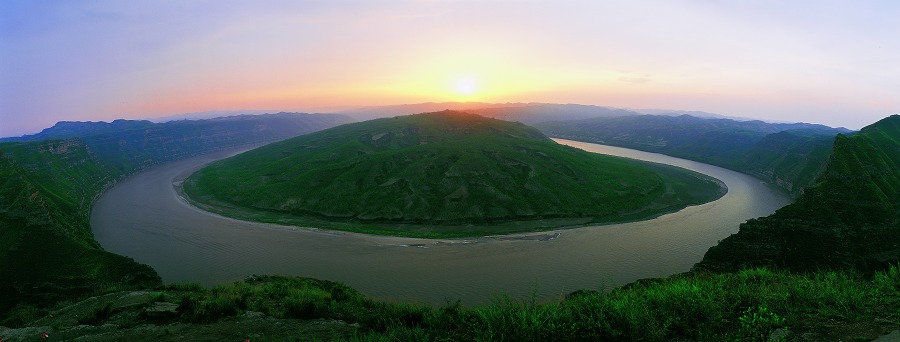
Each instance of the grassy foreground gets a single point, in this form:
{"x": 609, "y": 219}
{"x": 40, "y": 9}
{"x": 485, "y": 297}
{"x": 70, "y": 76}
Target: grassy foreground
{"x": 748, "y": 305}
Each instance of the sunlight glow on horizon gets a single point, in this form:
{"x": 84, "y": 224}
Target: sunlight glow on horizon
{"x": 804, "y": 61}
{"x": 466, "y": 86}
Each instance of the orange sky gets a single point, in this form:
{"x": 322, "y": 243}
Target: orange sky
{"x": 813, "y": 61}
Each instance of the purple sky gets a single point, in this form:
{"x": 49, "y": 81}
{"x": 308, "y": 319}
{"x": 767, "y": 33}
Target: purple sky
{"x": 830, "y": 62}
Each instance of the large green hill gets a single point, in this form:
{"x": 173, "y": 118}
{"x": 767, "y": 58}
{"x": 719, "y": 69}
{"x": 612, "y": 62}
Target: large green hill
{"x": 411, "y": 174}
{"x": 849, "y": 218}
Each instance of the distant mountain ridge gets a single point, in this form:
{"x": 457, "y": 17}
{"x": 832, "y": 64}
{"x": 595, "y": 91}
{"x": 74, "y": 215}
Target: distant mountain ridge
{"x": 146, "y": 143}
{"x": 527, "y": 113}
{"x": 535, "y": 113}
{"x": 788, "y": 155}
{"x": 849, "y": 219}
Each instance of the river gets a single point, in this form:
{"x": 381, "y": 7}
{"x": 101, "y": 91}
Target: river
{"x": 142, "y": 217}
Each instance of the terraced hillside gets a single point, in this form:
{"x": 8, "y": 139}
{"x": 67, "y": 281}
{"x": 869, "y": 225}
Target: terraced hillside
{"x": 440, "y": 169}
{"x": 849, "y": 219}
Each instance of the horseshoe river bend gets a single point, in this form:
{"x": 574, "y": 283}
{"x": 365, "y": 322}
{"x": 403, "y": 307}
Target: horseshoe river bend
{"x": 144, "y": 218}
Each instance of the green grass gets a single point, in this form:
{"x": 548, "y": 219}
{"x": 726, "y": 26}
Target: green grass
{"x": 747, "y": 305}
{"x": 441, "y": 174}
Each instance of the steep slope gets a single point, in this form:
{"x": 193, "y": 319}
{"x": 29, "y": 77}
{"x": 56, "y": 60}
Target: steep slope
{"x": 47, "y": 251}
{"x": 47, "y": 188}
{"x": 850, "y": 218}
{"x": 445, "y": 168}
{"x": 791, "y": 160}
{"x": 753, "y": 147}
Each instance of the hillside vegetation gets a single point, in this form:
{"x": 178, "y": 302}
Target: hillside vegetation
{"x": 748, "y": 305}
{"x": 47, "y": 250}
{"x": 48, "y": 255}
{"x": 439, "y": 174}
{"x": 47, "y": 188}
{"x": 849, "y": 219}
{"x": 790, "y": 156}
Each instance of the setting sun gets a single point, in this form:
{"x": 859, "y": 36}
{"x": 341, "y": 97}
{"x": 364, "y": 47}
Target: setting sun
{"x": 466, "y": 86}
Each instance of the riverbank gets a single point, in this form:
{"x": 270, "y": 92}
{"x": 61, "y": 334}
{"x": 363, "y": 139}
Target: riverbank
{"x": 472, "y": 185}
{"x": 678, "y": 181}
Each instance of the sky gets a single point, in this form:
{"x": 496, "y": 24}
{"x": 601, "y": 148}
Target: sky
{"x": 830, "y": 62}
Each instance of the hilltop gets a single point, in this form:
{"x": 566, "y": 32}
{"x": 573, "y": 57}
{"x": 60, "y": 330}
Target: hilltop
{"x": 440, "y": 173}
{"x": 849, "y": 219}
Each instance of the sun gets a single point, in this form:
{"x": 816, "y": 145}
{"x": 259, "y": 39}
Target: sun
{"x": 466, "y": 86}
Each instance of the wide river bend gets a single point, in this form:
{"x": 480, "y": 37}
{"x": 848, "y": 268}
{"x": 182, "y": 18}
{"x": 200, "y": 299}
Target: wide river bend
{"x": 142, "y": 217}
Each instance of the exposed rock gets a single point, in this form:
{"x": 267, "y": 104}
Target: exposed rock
{"x": 779, "y": 335}
{"x": 160, "y": 311}
{"x": 894, "y": 336}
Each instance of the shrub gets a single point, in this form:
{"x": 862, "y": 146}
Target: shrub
{"x": 757, "y": 322}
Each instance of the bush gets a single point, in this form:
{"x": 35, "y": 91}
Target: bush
{"x": 758, "y": 322}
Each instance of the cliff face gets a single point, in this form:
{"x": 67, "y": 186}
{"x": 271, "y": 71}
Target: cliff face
{"x": 789, "y": 156}
{"x": 849, "y": 219}
{"x": 791, "y": 160}
{"x": 47, "y": 251}
{"x": 47, "y": 188}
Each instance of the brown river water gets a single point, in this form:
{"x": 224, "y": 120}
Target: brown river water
{"x": 144, "y": 218}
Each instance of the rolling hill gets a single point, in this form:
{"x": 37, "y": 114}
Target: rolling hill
{"x": 440, "y": 173}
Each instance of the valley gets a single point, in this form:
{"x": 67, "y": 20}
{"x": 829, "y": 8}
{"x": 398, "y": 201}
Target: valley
{"x": 144, "y": 215}
{"x": 565, "y": 268}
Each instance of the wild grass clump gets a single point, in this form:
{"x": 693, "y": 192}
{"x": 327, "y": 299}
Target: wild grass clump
{"x": 299, "y": 298}
{"x": 747, "y": 305}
